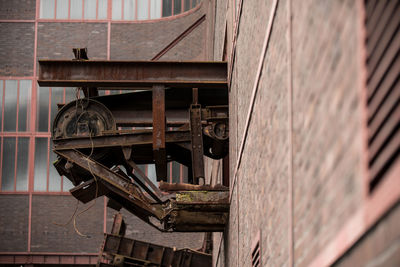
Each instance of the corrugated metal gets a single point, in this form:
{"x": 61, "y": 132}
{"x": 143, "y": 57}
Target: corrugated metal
{"x": 383, "y": 65}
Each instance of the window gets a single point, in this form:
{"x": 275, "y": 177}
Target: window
{"x": 383, "y": 87}
{"x": 46, "y": 178}
{"x": 14, "y": 174}
{"x": 15, "y": 98}
{"x": 129, "y": 10}
{"x": 16, "y": 95}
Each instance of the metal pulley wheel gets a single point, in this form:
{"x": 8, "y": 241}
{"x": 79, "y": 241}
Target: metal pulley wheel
{"x": 85, "y": 118}
{"x": 82, "y": 118}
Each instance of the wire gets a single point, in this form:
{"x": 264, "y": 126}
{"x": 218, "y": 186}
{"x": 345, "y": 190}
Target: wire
{"x": 75, "y": 215}
{"x": 96, "y": 194}
{"x": 70, "y": 219}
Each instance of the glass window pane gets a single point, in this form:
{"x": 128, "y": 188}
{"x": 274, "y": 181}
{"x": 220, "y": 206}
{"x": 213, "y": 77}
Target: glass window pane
{"x": 24, "y": 104}
{"x": 194, "y": 3}
{"x": 22, "y": 164}
{"x": 57, "y": 97}
{"x": 176, "y": 172}
{"x": 187, "y": 5}
{"x": 155, "y": 9}
{"x": 42, "y": 115}
{"x": 177, "y": 6}
{"x": 10, "y": 106}
{"x": 8, "y": 167}
{"x": 62, "y": 9}
{"x": 184, "y": 174}
{"x": 102, "y": 14}
{"x": 151, "y": 173}
{"x": 54, "y": 177}
{"x": 143, "y": 9}
{"x": 70, "y": 94}
{"x": 90, "y": 9}
{"x": 47, "y": 9}
{"x": 40, "y": 178}
{"x": 129, "y": 9}
{"x": 116, "y": 9}
{"x": 1, "y": 101}
{"x": 76, "y": 9}
{"x": 67, "y": 184}
{"x": 167, "y": 8}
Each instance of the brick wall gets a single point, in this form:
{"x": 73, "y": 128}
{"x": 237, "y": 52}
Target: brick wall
{"x": 47, "y": 211}
{"x": 323, "y": 144}
{"x": 14, "y": 223}
{"x": 16, "y": 50}
{"x": 17, "y": 9}
{"x": 142, "y": 41}
{"x": 137, "y": 229}
{"x": 56, "y": 40}
{"x": 326, "y": 121}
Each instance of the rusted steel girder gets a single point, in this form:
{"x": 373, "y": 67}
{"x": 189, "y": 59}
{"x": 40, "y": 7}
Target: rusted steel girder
{"x": 140, "y": 137}
{"x": 186, "y": 211}
{"x": 120, "y": 251}
{"x": 159, "y": 127}
{"x": 132, "y": 74}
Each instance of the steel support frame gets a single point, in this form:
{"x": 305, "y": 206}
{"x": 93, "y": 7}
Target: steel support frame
{"x": 159, "y": 128}
{"x": 196, "y": 134}
{"x": 132, "y": 74}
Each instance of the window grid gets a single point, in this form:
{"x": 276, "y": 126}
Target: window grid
{"x": 31, "y": 159}
{"x": 104, "y": 9}
{"x": 14, "y": 174}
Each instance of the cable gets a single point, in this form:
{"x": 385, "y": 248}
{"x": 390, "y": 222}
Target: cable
{"x": 96, "y": 194}
{"x": 70, "y": 219}
{"x": 75, "y": 214}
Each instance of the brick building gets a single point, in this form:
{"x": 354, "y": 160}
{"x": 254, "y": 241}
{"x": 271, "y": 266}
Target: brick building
{"x": 35, "y": 205}
{"x": 314, "y": 132}
{"x": 314, "y": 105}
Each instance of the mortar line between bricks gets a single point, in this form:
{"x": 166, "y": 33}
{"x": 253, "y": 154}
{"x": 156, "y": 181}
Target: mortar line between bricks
{"x": 253, "y": 96}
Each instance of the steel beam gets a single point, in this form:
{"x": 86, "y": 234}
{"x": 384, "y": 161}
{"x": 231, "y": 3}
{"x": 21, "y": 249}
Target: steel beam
{"x": 132, "y": 74}
{"x": 159, "y": 153}
{"x": 144, "y": 138}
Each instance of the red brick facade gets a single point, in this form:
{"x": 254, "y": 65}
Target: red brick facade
{"x": 300, "y": 186}
{"x": 298, "y": 127}
{"x": 28, "y": 222}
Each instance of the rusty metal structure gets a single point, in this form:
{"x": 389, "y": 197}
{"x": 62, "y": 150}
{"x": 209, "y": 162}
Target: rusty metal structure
{"x": 182, "y": 110}
{"x": 118, "y": 250}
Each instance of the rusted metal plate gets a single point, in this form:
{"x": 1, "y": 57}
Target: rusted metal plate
{"x": 196, "y": 135}
{"x": 144, "y": 181}
{"x": 88, "y": 191}
{"x": 119, "y": 226}
{"x": 132, "y": 73}
{"x": 130, "y": 251}
{"x": 188, "y": 221}
{"x": 141, "y": 138}
{"x": 169, "y": 187}
{"x": 118, "y": 188}
{"x": 205, "y": 197}
{"x": 160, "y": 157}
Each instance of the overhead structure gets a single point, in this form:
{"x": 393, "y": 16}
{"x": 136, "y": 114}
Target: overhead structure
{"x": 182, "y": 111}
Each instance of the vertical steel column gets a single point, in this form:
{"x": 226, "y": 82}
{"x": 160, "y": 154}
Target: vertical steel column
{"x": 197, "y": 140}
{"x": 159, "y": 132}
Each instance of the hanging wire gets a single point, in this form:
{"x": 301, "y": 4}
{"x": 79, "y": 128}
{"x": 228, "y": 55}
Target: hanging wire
{"x": 79, "y": 101}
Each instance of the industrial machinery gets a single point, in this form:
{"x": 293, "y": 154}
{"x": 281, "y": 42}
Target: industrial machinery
{"x": 175, "y": 111}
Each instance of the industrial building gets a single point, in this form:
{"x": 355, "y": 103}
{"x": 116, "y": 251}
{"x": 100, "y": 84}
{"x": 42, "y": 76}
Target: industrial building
{"x": 312, "y": 87}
